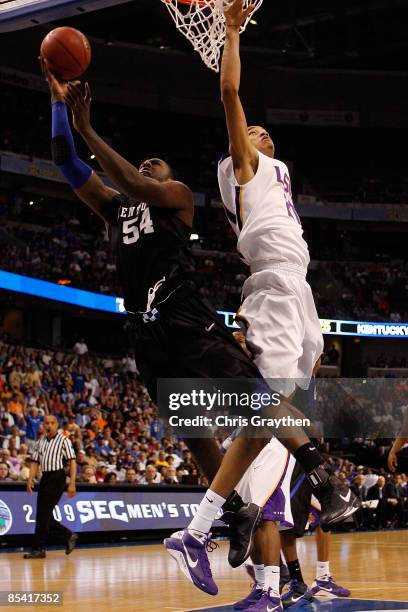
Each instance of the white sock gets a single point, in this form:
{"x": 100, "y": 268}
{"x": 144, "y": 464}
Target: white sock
{"x": 259, "y": 575}
{"x": 272, "y": 575}
{"x": 208, "y": 509}
{"x": 322, "y": 569}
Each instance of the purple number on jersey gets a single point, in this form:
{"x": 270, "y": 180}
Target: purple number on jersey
{"x": 288, "y": 194}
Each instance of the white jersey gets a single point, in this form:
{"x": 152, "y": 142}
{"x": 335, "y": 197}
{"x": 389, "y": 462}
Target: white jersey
{"x": 263, "y": 215}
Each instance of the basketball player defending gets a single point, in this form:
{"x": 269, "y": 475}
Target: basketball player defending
{"x": 278, "y": 314}
{"x": 149, "y": 222}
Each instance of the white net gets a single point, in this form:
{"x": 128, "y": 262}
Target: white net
{"x": 203, "y": 23}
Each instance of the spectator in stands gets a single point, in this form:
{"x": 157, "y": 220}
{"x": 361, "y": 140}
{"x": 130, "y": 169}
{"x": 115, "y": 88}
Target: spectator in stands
{"x": 161, "y": 459}
{"x": 33, "y": 421}
{"x": 23, "y": 452}
{"x": 88, "y": 474}
{"x": 396, "y": 511}
{"x": 5, "y": 456}
{"x": 16, "y": 378}
{"x": 101, "y": 472}
{"x": 5, "y": 473}
{"x": 170, "y": 477}
{"x": 360, "y": 490}
{"x": 91, "y": 457}
{"x": 24, "y": 472}
{"x": 15, "y": 461}
{"x": 380, "y": 515}
{"x": 333, "y": 355}
{"x": 151, "y": 475}
{"x": 80, "y": 347}
{"x": 111, "y": 478}
{"x": 131, "y": 476}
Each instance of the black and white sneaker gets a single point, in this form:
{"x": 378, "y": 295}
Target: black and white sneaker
{"x": 231, "y": 506}
{"x": 336, "y": 498}
{"x": 243, "y": 525}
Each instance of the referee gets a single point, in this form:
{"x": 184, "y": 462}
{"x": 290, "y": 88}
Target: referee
{"x": 50, "y": 452}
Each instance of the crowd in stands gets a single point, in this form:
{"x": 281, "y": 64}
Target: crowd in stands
{"x": 342, "y": 290}
{"x": 361, "y": 291}
{"x": 392, "y": 507}
{"x": 103, "y": 407}
{"x": 100, "y": 404}
{"x": 371, "y": 408}
{"x": 384, "y": 497}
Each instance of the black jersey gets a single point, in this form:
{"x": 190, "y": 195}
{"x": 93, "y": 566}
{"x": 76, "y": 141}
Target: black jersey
{"x": 151, "y": 248}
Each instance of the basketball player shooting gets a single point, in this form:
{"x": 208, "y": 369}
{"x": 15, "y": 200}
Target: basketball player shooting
{"x": 149, "y": 222}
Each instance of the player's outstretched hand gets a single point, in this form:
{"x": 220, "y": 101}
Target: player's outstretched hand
{"x": 236, "y": 15}
{"x": 57, "y": 88}
{"x": 80, "y": 104}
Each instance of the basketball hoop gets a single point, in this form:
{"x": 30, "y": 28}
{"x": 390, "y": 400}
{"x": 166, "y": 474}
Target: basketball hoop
{"x": 202, "y": 22}
{"x": 194, "y": 2}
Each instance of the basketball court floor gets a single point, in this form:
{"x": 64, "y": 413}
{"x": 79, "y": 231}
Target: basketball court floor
{"x": 133, "y": 578}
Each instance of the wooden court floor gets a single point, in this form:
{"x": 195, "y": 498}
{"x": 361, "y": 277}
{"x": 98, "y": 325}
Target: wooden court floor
{"x": 134, "y": 578}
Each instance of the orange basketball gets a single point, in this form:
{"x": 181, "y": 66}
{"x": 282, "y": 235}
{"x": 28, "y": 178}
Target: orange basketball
{"x": 67, "y": 52}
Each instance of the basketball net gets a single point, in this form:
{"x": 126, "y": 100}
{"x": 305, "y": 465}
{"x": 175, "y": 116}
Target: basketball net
{"x": 202, "y": 22}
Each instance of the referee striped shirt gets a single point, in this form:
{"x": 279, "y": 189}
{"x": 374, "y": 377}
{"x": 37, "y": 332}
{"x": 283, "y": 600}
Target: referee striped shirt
{"x": 51, "y": 452}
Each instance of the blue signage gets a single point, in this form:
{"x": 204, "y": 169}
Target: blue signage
{"x": 113, "y": 304}
{"x": 102, "y": 510}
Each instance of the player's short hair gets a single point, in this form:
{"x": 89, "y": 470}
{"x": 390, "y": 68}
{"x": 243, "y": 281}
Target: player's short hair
{"x": 173, "y": 172}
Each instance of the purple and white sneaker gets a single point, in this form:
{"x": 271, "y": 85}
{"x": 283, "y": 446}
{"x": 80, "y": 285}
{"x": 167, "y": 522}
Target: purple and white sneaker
{"x": 267, "y": 603}
{"x": 328, "y": 588}
{"x": 189, "y": 549}
{"x": 297, "y": 596}
{"x": 251, "y": 599}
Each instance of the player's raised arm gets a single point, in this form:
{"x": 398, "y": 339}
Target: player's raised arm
{"x": 244, "y": 155}
{"x": 166, "y": 194}
{"x": 83, "y": 180}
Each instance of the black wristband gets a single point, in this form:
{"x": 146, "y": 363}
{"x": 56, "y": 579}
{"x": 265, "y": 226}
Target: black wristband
{"x": 309, "y": 457}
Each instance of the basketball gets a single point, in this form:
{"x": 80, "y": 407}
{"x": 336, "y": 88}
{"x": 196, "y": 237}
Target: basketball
{"x": 67, "y": 52}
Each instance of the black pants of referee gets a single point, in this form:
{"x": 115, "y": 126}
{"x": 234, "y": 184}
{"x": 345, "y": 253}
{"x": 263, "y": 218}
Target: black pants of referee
{"x": 51, "y": 487}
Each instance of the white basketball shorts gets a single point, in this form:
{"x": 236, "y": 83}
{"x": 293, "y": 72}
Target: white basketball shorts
{"x": 267, "y": 483}
{"x": 283, "y": 329}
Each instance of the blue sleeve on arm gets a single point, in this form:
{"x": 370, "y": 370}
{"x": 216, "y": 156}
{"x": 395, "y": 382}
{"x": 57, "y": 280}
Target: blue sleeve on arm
{"x": 63, "y": 148}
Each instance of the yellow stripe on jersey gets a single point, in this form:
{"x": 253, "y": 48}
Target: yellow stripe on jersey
{"x": 285, "y": 465}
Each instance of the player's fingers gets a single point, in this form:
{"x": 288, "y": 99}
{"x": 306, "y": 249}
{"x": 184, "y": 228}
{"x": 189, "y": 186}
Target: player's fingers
{"x": 45, "y": 70}
{"x": 71, "y": 103}
{"x": 88, "y": 96}
{"x": 74, "y": 92}
{"x": 69, "y": 98}
{"x": 249, "y": 10}
{"x": 48, "y": 72}
{"x": 81, "y": 94}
